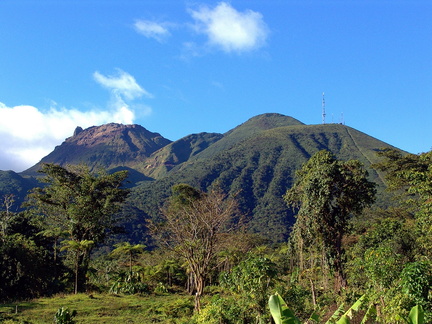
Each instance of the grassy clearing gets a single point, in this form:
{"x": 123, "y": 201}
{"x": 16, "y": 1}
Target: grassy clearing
{"x": 102, "y": 308}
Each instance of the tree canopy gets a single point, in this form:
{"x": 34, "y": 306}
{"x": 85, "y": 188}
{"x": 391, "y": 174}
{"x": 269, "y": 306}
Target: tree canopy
{"x": 192, "y": 226}
{"x": 80, "y": 205}
{"x": 411, "y": 176}
{"x": 327, "y": 192}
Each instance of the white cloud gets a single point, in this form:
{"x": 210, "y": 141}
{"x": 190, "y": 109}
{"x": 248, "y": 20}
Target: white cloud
{"x": 123, "y": 84}
{"x": 28, "y": 133}
{"x": 151, "y": 29}
{"x": 230, "y": 30}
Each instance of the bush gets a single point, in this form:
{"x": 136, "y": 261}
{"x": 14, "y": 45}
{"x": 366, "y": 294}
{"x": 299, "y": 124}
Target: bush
{"x": 65, "y": 316}
{"x": 225, "y": 309}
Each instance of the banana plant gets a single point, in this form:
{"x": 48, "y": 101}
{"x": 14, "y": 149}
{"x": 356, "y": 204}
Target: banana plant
{"x": 65, "y": 316}
{"x": 416, "y": 315}
{"x": 283, "y": 315}
{"x": 348, "y": 315}
{"x": 280, "y": 312}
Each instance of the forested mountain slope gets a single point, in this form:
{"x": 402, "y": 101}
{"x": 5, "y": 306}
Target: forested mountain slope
{"x": 258, "y": 166}
{"x": 11, "y": 183}
{"x": 256, "y": 161}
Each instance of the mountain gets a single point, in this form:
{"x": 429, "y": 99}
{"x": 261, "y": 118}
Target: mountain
{"x": 256, "y": 161}
{"x": 164, "y": 160}
{"x": 11, "y": 183}
{"x": 108, "y": 146}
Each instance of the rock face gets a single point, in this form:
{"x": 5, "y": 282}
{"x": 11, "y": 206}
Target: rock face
{"x": 108, "y": 146}
{"x": 123, "y": 137}
{"x": 77, "y": 131}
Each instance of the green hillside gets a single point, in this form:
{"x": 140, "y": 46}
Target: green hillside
{"x": 258, "y": 164}
{"x": 11, "y": 183}
{"x": 162, "y": 161}
{"x": 256, "y": 161}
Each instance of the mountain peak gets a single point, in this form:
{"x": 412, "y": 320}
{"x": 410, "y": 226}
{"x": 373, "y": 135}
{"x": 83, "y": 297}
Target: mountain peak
{"x": 111, "y": 134}
{"x": 77, "y": 131}
{"x": 264, "y": 122}
{"x": 108, "y": 146}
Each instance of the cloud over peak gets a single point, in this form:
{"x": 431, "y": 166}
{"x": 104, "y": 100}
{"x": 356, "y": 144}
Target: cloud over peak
{"x": 229, "y": 29}
{"x": 29, "y": 133}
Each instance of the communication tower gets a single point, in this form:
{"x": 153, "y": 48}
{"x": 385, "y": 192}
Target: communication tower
{"x": 342, "y": 119}
{"x": 323, "y": 109}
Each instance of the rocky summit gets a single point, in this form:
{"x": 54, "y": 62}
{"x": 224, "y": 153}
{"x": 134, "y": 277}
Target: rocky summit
{"x": 108, "y": 146}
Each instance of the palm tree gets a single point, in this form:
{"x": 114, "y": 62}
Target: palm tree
{"x": 132, "y": 251}
{"x": 78, "y": 248}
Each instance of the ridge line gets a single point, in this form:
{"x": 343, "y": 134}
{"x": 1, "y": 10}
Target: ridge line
{"x": 361, "y": 151}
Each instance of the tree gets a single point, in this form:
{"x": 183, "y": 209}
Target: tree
{"x": 77, "y": 249}
{"x": 411, "y": 176}
{"x": 327, "y": 192}
{"x": 252, "y": 279}
{"x": 132, "y": 251}
{"x": 81, "y": 204}
{"x": 25, "y": 263}
{"x": 6, "y": 216}
{"x": 192, "y": 225}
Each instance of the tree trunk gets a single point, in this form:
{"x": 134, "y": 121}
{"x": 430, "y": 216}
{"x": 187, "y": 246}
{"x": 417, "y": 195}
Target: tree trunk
{"x": 199, "y": 292}
{"x": 82, "y": 267}
{"x": 76, "y": 273}
{"x": 313, "y": 292}
{"x": 341, "y": 281}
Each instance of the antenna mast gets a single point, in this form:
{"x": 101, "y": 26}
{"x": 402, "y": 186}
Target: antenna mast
{"x": 323, "y": 109}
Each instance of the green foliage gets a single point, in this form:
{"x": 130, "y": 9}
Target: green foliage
{"x": 416, "y": 315}
{"x": 348, "y": 315}
{"x": 416, "y": 282}
{"x": 258, "y": 158}
{"x": 129, "y": 283}
{"x": 257, "y": 162}
{"x": 224, "y": 309}
{"x": 280, "y": 312}
{"x": 12, "y": 183}
{"x": 388, "y": 251}
{"x": 27, "y": 268}
{"x": 283, "y": 315}
{"x": 327, "y": 191}
{"x": 382, "y": 266}
{"x": 131, "y": 251}
{"x": 78, "y": 201}
{"x": 104, "y": 308}
{"x": 65, "y": 316}
{"x": 251, "y": 280}
{"x": 411, "y": 176}
{"x": 81, "y": 204}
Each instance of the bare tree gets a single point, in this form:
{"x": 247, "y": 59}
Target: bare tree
{"x": 7, "y": 215}
{"x": 193, "y": 226}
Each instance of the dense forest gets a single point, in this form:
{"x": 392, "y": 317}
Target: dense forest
{"x": 70, "y": 237}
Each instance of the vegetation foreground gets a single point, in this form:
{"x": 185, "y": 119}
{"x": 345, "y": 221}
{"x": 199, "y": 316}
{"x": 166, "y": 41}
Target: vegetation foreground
{"x": 102, "y": 308}
{"x": 345, "y": 262}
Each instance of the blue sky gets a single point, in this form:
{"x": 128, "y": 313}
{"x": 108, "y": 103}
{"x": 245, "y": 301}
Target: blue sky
{"x": 182, "y": 67}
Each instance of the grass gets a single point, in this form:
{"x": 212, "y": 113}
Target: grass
{"x": 102, "y": 308}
